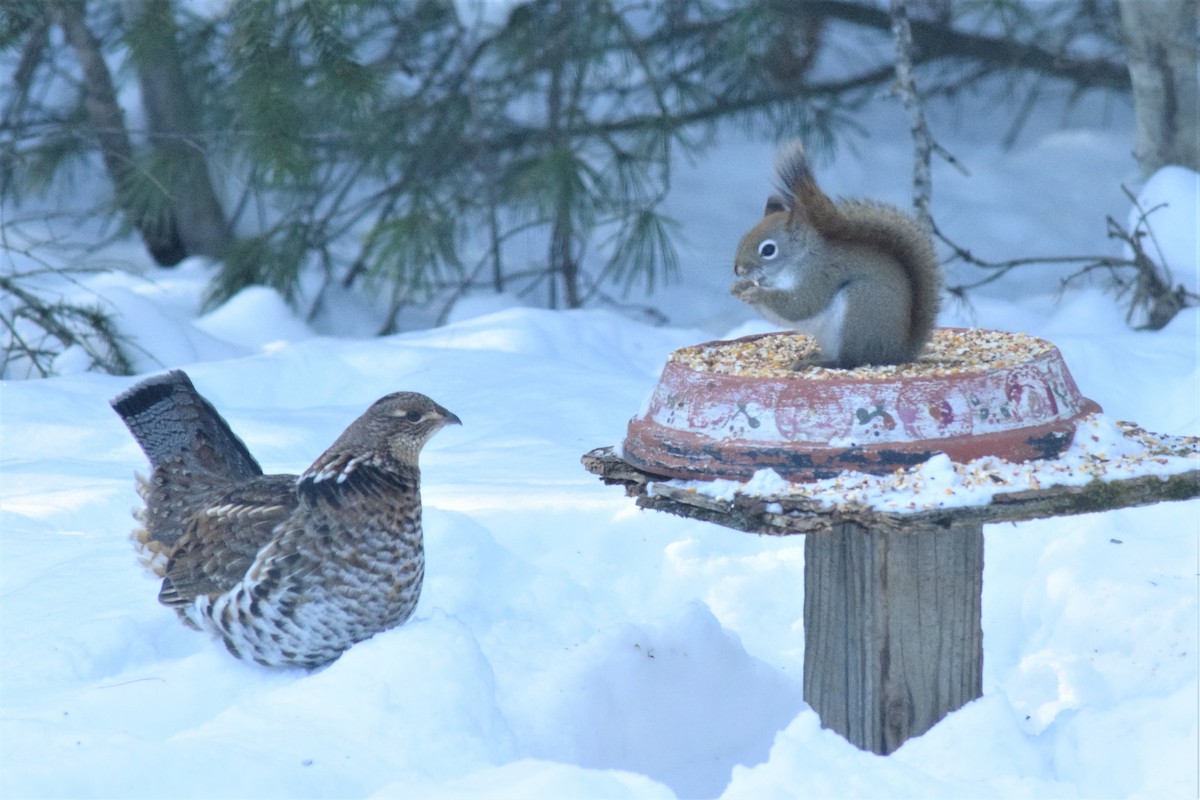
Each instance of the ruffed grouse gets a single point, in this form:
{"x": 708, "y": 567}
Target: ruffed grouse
{"x": 286, "y": 570}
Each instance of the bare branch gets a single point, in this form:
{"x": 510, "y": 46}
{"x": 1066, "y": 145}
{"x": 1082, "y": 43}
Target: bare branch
{"x": 906, "y": 87}
{"x": 1150, "y": 289}
{"x": 936, "y": 40}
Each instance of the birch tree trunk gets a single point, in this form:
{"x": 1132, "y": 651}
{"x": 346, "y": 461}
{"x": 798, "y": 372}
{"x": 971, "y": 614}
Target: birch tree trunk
{"x": 1161, "y": 45}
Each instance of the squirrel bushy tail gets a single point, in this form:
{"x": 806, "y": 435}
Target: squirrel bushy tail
{"x": 864, "y": 222}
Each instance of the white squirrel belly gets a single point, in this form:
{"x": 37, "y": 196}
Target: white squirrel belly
{"x": 826, "y": 326}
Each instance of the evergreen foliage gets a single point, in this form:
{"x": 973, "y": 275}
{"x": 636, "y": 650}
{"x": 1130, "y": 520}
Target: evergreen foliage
{"x": 403, "y": 146}
{"x": 39, "y": 322}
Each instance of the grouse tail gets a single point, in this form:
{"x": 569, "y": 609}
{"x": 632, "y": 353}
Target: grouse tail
{"x": 173, "y": 423}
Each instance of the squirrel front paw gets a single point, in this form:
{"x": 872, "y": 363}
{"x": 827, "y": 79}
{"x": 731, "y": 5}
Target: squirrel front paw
{"x": 746, "y": 290}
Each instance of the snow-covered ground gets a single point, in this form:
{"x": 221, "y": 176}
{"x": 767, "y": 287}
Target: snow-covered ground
{"x": 567, "y": 644}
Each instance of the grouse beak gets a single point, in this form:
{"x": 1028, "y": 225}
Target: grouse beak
{"x": 449, "y": 417}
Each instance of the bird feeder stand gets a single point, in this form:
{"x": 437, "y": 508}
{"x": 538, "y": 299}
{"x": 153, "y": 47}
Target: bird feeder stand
{"x": 892, "y": 598}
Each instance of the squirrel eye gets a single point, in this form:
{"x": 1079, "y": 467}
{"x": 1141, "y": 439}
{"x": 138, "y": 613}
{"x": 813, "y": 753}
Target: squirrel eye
{"x": 768, "y": 249}
{"x": 414, "y": 416}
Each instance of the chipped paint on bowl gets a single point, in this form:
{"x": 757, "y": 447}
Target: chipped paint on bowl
{"x": 704, "y": 424}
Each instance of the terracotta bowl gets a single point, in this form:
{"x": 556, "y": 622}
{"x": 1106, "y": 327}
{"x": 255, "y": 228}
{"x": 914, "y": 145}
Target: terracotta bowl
{"x": 724, "y": 409}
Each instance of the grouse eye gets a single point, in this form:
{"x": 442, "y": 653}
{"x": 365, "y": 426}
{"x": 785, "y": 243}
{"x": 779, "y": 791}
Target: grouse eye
{"x": 768, "y": 249}
{"x": 414, "y": 416}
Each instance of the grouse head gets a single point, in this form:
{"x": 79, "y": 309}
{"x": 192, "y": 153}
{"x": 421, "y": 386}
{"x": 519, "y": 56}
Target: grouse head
{"x": 406, "y": 421}
{"x": 389, "y": 435}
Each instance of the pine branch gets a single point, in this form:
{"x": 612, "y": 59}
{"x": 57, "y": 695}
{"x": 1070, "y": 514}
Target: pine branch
{"x": 69, "y": 324}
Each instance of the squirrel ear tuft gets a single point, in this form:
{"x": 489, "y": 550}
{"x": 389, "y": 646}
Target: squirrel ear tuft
{"x": 775, "y": 205}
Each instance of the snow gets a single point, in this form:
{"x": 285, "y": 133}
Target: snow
{"x": 566, "y": 643}
{"x": 1102, "y": 449}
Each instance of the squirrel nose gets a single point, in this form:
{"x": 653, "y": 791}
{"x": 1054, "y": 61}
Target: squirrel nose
{"x": 739, "y": 268}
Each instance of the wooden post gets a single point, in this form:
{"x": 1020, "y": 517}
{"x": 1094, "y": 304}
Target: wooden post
{"x": 893, "y": 639}
{"x": 893, "y": 636}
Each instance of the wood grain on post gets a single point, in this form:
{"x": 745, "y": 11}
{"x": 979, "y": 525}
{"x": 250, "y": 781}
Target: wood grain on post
{"x": 893, "y": 640}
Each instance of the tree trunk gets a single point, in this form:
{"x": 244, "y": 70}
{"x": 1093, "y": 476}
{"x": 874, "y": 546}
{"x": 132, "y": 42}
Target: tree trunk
{"x": 1160, "y": 42}
{"x": 172, "y": 127}
{"x": 108, "y": 123}
{"x": 561, "y": 262}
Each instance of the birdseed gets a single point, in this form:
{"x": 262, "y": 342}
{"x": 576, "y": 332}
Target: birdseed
{"x": 791, "y": 355}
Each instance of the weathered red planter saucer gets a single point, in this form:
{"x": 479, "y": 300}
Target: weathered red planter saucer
{"x": 707, "y": 424}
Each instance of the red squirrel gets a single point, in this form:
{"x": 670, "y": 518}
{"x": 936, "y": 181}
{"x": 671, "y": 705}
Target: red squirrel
{"x": 858, "y": 276}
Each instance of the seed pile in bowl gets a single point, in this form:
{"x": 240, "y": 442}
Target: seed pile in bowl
{"x": 791, "y": 355}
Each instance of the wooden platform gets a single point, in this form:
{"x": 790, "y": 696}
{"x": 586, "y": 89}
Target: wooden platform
{"x": 892, "y": 601}
{"x": 786, "y": 514}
